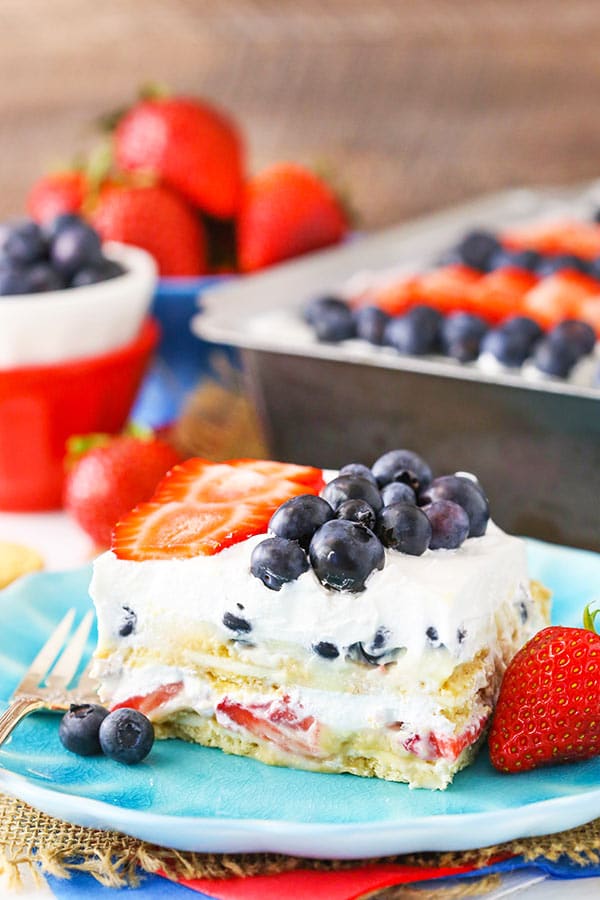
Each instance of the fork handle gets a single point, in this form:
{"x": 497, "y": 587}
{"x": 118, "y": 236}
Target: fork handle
{"x": 18, "y": 709}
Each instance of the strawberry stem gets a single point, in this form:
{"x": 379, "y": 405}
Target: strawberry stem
{"x": 589, "y": 618}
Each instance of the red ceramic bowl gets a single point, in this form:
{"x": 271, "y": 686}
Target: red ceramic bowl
{"x": 42, "y": 406}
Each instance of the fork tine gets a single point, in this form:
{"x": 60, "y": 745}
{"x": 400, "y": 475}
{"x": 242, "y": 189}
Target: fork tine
{"x": 49, "y": 651}
{"x": 69, "y": 660}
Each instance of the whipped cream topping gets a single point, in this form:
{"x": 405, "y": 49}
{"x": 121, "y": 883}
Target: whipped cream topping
{"x": 442, "y": 599}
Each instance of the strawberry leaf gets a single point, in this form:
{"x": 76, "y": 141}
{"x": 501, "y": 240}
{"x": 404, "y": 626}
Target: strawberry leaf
{"x": 589, "y": 618}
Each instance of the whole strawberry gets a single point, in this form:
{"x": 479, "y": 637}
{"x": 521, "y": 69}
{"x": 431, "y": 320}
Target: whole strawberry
{"x": 286, "y": 211}
{"x": 189, "y": 146}
{"x": 113, "y": 477}
{"x": 156, "y": 219}
{"x": 55, "y": 194}
{"x": 548, "y": 710}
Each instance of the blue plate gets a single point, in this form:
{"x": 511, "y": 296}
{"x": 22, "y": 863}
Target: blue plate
{"x": 194, "y": 798}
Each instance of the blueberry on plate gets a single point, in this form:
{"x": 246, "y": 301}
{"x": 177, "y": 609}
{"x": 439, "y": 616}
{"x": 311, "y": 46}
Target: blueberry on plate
{"x": 404, "y": 527}
{"x": 550, "y": 265}
{"x": 516, "y": 259}
{"x": 579, "y": 335}
{"x": 398, "y": 492}
{"x": 104, "y": 271}
{"x": 298, "y": 519}
{"x": 477, "y": 249}
{"x": 79, "y": 728}
{"x": 75, "y": 247}
{"x": 371, "y": 323}
{"x": 277, "y": 561}
{"x": 357, "y": 511}
{"x": 449, "y": 524}
{"x": 348, "y": 487}
{"x": 461, "y": 335}
{"x": 416, "y": 332}
{"x": 357, "y": 469}
{"x": 402, "y": 465}
{"x": 315, "y": 307}
{"x": 331, "y": 319}
{"x": 555, "y": 358}
{"x": 22, "y": 242}
{"x": 343, "y": 554}
{"x": 466, "y": 493}
{"x": 527, "y": 328}
{"x": 126, "y": 736}
{"x": 509, "y": 347}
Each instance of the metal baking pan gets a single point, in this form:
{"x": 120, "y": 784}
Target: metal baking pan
{"x": 534, "y": 445}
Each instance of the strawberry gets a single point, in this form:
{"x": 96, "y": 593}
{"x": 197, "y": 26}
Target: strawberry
{"x": 395, "y": 297}
{"x": 557, "y": 297}
{"x": 189, "y": 146}
{"x": 156, "y": 219}
{"x": 548, "y": 710}
{"x": 150, "y": 703}
{"x": 449, "y": 288}
{"x": 57, "y": 193}
{"x": 588, "y": 310}
{"x": 500, "y": 294}
{"x": 108, "y": 480}
{"x": 201, "y": 507}
{"x": 557, "y": 236}
{"x": 286, "y": 211}
{"x": 276, "y": 722}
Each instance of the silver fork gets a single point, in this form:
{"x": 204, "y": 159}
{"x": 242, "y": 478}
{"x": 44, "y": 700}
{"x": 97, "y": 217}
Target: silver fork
{"x": 32, "y": 694}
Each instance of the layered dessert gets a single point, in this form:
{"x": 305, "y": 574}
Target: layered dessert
{"x": 359, "y": 626}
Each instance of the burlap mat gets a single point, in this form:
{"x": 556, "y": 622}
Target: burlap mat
{"x": 32, "y": 839}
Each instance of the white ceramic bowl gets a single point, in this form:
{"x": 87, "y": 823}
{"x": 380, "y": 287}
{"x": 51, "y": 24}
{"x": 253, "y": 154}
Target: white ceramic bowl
{"x": 50, "y": 327}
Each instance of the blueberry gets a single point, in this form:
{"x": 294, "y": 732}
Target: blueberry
{"x": 477, "y": 249}
{"x": 402, "y": 465}
{"x": 579, "y": 335}
{"x": 348, "y": 487}
{"x": 433, "y": 637}
{"x": 549, "y": 265}
{"x": 449, "y": 524}
{"x": 14, "y": 280}
{"x": 128, "y": 622}
{"x": 236, "y": 623}
{"x": 326, "y": 649}
{"x": 516, "y": 259}
{"x": 371, "y": 323}
{"x": 416, "y": 332}
{"x": 357, "y": 469}
{"x": 331, "y": 319}
{"x": 461, "y": 335}
{"x": 357, "y": 511}
{"x": 554, "y": 358}
{"x": 464, "y": 492}
{"x": 509, "y": 347}
{"x": 104, "y": 271}
{"x": 398, "y": 492}
{"x": 594, "y": 268}
{"x": 343, "y": 555}
{"x": 276, "y": 561}
{"x": 298, "y": 519}
{"x": 461, "y": 634}
{"x": 58, "y": 223}
{"x": 404, "y": 527}
{"x": 527, "y": 328}
{"x": 42, "y": 277}
{"x": 78, "y": 730}
{"x": 362, "y": 652}
{"x": 75, "y": 247}
{"x": 126, "y": 736}
{"x": 21, "y": 242}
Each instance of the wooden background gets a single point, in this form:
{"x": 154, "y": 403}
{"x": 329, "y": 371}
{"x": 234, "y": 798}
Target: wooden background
{"x": 413, "y": 103}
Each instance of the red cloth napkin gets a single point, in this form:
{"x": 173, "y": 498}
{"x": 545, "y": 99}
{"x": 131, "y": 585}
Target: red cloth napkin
{"x": 308, "y": 884}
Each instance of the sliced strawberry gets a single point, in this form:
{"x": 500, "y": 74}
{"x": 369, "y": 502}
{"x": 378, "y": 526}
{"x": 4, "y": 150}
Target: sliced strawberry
{"x": 394, "y": 298}
{"x": 500, "y": 294}
{"x": 182, "y": 530}
{"x": 558, "y": 297}
{"x": 589, "y": 311}
{"x": 149, "y": 703}
{"x": 451, "y": 746}
{"x": 205, "y": 482}
{"x": 449, "y": 288}
{"x": 276, "y": 723}
{"x": 306, "y": 475}
{"x": 563, "y": 236}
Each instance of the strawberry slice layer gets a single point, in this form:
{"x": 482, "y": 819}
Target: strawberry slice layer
{"x": 150, "y": 703}
{"x": 200, "y": 508}
{"x": 276, "y": 722}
